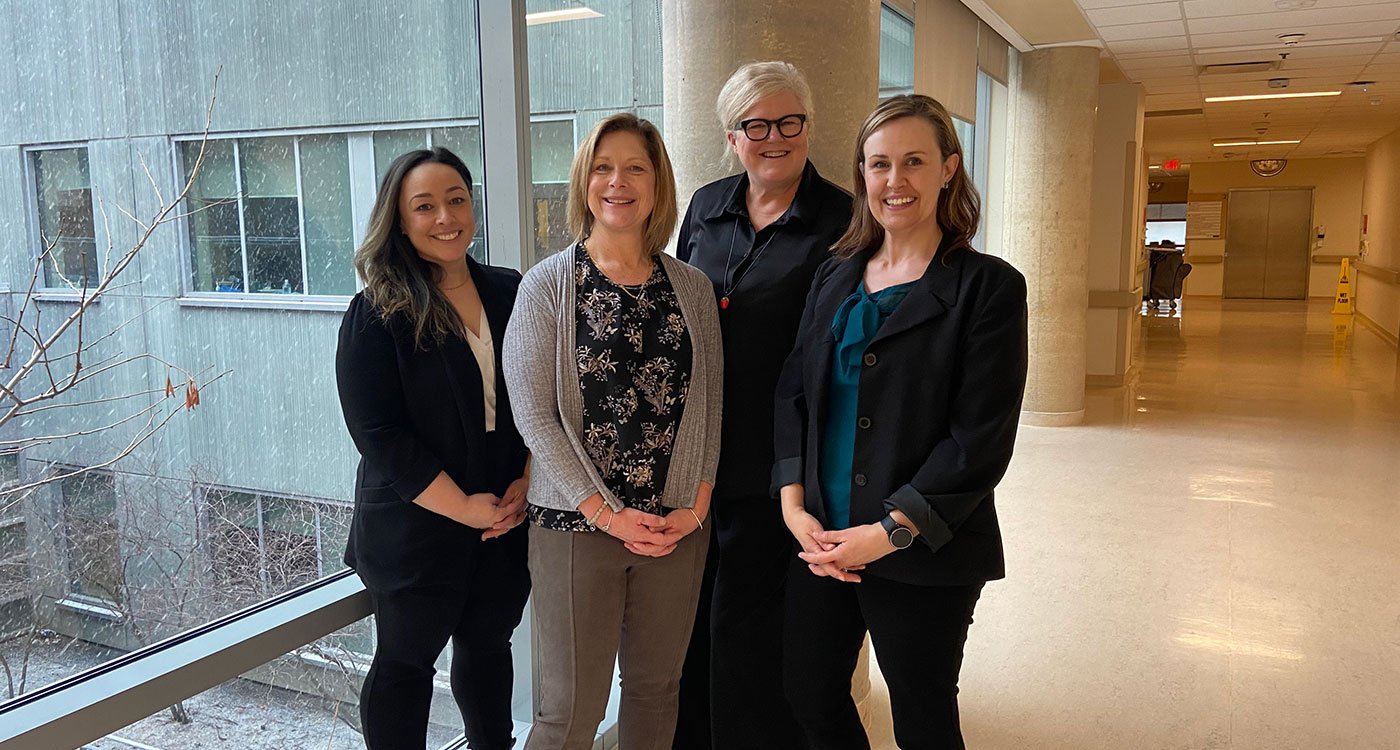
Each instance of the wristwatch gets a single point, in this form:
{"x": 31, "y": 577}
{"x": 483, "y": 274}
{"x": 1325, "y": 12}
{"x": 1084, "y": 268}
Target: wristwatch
{"x": 900, "y": 536}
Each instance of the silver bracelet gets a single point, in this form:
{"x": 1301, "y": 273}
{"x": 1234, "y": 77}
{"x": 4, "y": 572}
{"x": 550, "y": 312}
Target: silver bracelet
{"x": 698, "y": 522}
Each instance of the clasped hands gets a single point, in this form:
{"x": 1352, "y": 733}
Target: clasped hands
{"x": 497, "y": 515}
{"x": 648, "y": 534}
{"x": 836, "y": 554}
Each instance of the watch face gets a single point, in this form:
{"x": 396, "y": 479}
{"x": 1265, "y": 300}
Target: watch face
{"x": 901, "y": 537}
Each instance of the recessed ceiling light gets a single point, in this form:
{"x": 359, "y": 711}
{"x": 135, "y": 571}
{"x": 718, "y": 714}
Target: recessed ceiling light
{"x": 567, "y": 14}
{"x": 1255, "y": 143}
{"x": 1253, "y": 97}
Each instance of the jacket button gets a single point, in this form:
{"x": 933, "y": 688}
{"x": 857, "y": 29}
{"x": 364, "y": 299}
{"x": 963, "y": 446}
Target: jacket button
{"x": 869, "y": 360}
{"x": 863, "y": 423}
{"x": 859, "y": 480}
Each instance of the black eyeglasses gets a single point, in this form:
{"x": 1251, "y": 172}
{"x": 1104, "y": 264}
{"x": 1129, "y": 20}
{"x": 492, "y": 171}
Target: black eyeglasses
{"x": 758, "y": 129}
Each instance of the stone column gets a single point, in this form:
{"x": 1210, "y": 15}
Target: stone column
{"x": 1055, "y": 92}
{"x": 835, "y": 43}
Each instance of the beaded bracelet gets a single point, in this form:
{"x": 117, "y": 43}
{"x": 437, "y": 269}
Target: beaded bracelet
{"x": 593, "y": 521}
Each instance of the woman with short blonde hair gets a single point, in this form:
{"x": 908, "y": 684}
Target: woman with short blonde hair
{"x": 759, "y": 236}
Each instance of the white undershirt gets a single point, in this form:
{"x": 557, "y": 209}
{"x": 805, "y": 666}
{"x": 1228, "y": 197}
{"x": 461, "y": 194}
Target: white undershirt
{"x": 485, "y": 355}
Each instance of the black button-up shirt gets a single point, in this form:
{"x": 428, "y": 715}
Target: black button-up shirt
{"x": 766, "y": 276}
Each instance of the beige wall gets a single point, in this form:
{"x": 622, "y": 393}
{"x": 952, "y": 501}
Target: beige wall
{"x": 1115, "y": 230}
{"x": 1337, "y": 186}
{"x": 1173, "y": 190}
{"x": 1377, "y": 300}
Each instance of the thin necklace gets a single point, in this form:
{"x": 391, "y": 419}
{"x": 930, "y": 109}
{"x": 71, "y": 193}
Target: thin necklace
{"x": 640, "y": 288}
{"x": 731, "y": 285}
{"x": 459, "y": 286}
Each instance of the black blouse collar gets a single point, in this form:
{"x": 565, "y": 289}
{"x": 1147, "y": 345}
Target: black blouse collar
{"x": 734, "y": 203}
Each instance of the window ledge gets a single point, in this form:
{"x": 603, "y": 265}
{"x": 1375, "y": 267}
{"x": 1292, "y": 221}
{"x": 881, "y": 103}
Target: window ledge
{"x": 63, "y": 295}
{"x": 268, "y": 302}
{"x": 91, "y": 607}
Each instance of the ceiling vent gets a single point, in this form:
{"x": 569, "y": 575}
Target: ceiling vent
{"x": 1262, "y": 66}
{"x": 1173, "y": 112}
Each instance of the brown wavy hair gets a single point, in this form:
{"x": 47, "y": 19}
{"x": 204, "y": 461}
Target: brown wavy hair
{"x": 959, "y": 207}
{"x": 662, "y": 220}
{"x": 397, "y": 280}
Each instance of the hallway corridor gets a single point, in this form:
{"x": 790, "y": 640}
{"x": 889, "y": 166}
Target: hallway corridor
{"x": 1213, "y": 561}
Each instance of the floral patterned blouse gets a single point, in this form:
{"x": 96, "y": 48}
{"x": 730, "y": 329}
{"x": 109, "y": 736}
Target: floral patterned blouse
{"x": 634, "y": 357}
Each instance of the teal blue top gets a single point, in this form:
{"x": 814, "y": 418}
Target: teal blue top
{"x": 854, "y": 325}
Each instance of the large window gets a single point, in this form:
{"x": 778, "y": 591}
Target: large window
{"x": 66, "y": 231}
{"x": 270, "y": 215}
{"x": 463, "y": 140}
{"x": 91, "y": 538}
{"x": 896, "y": 53}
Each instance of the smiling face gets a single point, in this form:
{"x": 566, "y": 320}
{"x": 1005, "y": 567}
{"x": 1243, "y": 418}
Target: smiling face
{"x": 435, "y": 212}
{"x": 775, "y": 162}
{"x": 621, "y": 183}
{"x": 904, "y": 173}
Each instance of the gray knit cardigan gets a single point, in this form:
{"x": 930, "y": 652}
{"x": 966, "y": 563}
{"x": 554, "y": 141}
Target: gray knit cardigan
{"x": 546, "y": 398}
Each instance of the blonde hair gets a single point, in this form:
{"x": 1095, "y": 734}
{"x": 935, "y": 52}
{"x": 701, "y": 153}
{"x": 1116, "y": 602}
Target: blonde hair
{"x": 756, "y": 81}
{"x": 662, "y": 220}
{"x": 959, "y": 207}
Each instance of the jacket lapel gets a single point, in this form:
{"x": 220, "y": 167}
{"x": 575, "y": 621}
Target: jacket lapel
{"x": 935, "y": 292}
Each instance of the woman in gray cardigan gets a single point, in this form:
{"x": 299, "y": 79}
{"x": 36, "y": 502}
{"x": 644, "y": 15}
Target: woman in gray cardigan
{"x": 614, "y": 369}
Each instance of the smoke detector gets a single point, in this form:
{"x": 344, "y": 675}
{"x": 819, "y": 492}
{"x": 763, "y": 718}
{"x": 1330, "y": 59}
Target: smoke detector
{"x": 1362, "y": 85}
{"x": 1292, "y": 39}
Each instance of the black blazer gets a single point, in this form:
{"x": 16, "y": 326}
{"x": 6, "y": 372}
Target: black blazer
{"x": 413, "y": 413}
{"x": 939, "y": 400}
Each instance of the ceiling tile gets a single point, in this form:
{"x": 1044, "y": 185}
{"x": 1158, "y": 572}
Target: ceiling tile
{"x": 1134, "y": 14}
{"x": 1303, "y": 21}
{"x": 1158, "y": 44}
{"x": 1187, "y": 72}
{"x": 1155, "y": 30}
{"x": 1092, "y": 4}
{"x": 1205, "y": 41}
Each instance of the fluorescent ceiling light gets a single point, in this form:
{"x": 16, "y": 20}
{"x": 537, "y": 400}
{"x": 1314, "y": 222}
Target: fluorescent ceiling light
{"x": 554, "y": 16}
{"x": 1154, "y": 166}
{"x": 1258, "y": 143}
{"x": 1254, "y": 97}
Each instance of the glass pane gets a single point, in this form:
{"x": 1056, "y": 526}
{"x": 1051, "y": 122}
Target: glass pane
{"x": 92, "y": 540}
{"x": 66, "y": 225}
{"x": 216, "y": 262}
{"x": 289, "y": 542}
{"x": 335, "y": 529}
{"x": 551, "y": 152}
{"x": 233, "y": 547}
{"x": 328, "y": 225}
{"x": 465, "y": 142}
{"x": 896, "y": 53}
{"x": 966, "y": 136}
{"x": 576, "y": 92}
{"x": 271, "y": 218}
{"x": 390, "y": 144}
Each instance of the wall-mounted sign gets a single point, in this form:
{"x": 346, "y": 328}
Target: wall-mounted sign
{"x": 1205, "y": 219}
{"x": 1171, "y": 165}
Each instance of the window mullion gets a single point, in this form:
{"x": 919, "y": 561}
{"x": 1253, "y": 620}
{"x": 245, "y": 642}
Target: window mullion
{"x": 301, "y": 215}
{"x": 505, "y": 130}
{"x": 242, "y": 227}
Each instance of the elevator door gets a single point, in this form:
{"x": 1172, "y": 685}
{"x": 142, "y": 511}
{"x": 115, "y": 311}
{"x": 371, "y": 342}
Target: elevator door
{"x": 1266, "y": 244}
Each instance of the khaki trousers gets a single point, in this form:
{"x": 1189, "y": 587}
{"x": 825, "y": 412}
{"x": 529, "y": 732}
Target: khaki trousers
{"x": 594, "y": 604}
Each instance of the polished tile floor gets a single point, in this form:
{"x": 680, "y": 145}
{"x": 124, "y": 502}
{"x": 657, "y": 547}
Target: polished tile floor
{"x": 1213, "y": 559}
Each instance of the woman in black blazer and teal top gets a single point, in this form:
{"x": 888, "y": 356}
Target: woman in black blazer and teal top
{"x": 895, "y": 418}
{"x": 440, "y": 489}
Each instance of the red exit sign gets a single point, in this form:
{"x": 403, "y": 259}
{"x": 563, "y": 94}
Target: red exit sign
{"x": 1171, "y": 165}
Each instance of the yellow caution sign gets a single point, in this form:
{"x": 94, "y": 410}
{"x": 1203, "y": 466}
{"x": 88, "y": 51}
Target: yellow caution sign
{"x": 1345, "y": 304}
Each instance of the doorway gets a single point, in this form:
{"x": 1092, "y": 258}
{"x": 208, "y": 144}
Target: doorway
{"x": 1266, "y": 244}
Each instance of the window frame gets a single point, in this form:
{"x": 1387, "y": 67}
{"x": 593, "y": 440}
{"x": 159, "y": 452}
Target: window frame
{"x": 363, "y": 185}
{"x": 72, "y": 599}
{"x": 34, "y": 229}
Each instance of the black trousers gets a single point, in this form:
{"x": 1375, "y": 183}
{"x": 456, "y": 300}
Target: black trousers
{"x": 413, "y": 625}
{"x": 732, "y": 685}
{"x": 918, "y": 633}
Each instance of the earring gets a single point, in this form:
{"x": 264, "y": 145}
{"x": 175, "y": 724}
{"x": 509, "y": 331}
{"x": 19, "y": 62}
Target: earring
{"x": 945, "y": 185}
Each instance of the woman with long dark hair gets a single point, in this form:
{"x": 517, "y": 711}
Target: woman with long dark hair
{"x": 440, "y": 489}
{"x": 896, "y": 417}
